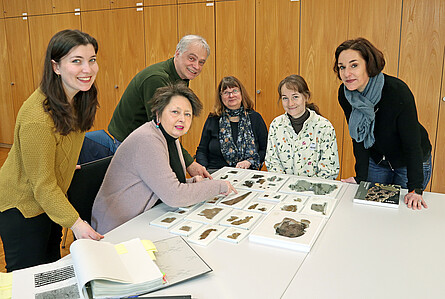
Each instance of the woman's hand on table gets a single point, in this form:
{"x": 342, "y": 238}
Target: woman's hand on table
{"x": 243, "y": 164}
{"x": 415, "y": 201}
{"x": 230, "y": 189}
{"x": 195, "y": 169}
{"x": 82, "y": 230}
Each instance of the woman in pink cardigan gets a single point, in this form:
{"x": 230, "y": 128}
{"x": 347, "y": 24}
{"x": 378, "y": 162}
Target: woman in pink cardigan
{"x": 149, "y": 164}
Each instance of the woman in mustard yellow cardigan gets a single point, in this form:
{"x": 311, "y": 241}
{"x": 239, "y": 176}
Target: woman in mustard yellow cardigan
{"x": 48, "y": 136}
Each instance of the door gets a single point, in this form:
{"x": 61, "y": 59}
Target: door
{"x": 198, "y": 18}
{"x": 41, "y": 30}
{"x": 365, "y": 20}
{"x": 7, "y": 115}
{"x": 235, "y": 42}
{"x": 421, "y": 57}
{"x": 20, "y": 62}
{"x": 120, "y": 56}
{"x": 277, "y": 51}
{"x": 161, "y": 32}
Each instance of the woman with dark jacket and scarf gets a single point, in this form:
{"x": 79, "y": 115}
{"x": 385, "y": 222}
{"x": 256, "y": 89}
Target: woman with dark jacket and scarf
{"x": 233, "y": 134}
{"x": 390, "y": 145}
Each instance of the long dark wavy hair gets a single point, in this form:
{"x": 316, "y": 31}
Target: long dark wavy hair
{"x": 56, "y": 103}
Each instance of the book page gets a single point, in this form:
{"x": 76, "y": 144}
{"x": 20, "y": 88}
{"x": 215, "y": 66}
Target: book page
{"x": 54, "y": 280}
{"x": 97, "y": 260}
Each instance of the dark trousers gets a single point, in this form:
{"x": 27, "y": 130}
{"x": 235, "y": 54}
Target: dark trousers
{"x": 29, "y": 241}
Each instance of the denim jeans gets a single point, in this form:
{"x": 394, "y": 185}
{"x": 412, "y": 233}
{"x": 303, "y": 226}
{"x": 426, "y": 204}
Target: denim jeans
{"x": 378, "y": 173}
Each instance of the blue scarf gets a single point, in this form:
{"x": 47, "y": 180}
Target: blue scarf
{"x": 362, "y": 118}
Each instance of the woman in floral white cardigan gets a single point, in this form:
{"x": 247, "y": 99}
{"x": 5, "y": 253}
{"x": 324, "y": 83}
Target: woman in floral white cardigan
{"x": 301, "y": 141}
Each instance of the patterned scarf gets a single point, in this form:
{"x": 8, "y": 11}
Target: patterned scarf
{"x": 362, "y": 118}
{"x": 245, "y": 148}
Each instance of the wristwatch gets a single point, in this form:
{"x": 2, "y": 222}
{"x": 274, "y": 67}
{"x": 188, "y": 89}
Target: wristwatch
{"x": 417, "y": 191}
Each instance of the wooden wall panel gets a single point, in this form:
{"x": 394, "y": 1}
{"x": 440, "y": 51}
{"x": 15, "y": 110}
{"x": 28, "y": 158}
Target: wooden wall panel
{"x": 99, "y": 24}
{"x": 277, "y": 51}
{"x": 13, "y": 8}
{"x": 198, "y": 18}
{"x": 6, "y": 107}
{"x": 379, "y": 21}
{"x": 38, "y": 7}
{"x": 161, "y": 33}
{"x": 41, "y": 29}
{"x": 20, "y": 62}
{"x": 2, "y": 11}
{"x": 365, "y": 20}
{"x": 235, "y": 42}
{"x": 159, "y": 2}
{"x": 121, "y": 44}
{"x": 421, "y": 56}
{"x": 94, "y": 5}
{"x": 65, "y": 5}
{"x": 438, "y": 175}
{"x": 318, "y": 44}
{"x": 193, "y": 1}
{"x": 128, "y": 46}
{"x": 126, "y": 3}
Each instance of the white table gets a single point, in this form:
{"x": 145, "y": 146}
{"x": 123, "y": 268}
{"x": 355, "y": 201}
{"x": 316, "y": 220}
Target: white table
{"x": 375, "y": 252}
{"x": 244, "y": 270}
{"x": 363, "y": 252}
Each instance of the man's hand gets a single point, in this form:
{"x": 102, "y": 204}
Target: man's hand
{"x": 195, "y": 169}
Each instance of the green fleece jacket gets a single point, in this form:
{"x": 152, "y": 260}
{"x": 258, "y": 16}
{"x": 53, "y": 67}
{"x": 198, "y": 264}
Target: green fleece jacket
{"x": 134, "y": 108}
{"x": 40, "y": 165}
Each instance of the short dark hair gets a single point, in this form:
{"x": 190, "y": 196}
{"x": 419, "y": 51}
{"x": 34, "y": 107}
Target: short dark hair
{"x": 297, "y": 83}
{"x": 56, "y": 103}
{"x": 375, "y": 62}
{"x": 163, "y": 95}
{"x": 231, "y": 82}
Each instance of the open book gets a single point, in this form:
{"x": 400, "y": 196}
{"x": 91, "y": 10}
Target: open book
{"x": 103, "y": 270}
{"x": 114, "y": 270}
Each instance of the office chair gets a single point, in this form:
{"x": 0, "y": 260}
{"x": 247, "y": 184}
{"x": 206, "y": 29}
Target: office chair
{"x": 84, "y": 187}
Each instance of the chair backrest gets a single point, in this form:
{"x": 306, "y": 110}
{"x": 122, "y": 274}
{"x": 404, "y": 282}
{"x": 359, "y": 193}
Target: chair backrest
{"x": 85, "y": 185}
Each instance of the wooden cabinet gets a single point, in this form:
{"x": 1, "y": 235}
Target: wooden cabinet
{"x": 7, "y": 116}
{"x": 438, "y": 175}
{"x": 277, "y": 51}
{"x": 41, "y": 30}
{"x": 65, "y": 5}
{"x": 20, "y": 62}
{"x": 14, "y": 8}
{"x": 120, "y": 56}
{"x": 235, "y": 42}
{"x": 318, "y": 44}
{"x": 198, "y": 18}
{"x": 194, "y": 1}
{"x": 94, "y": 4}
{"x": 126, "y": 3}
{"x": 161, "y": 33}
{"x": 159, "y": 2}
{"x": 39, "y": 7}
{"x": 421, "y": 58}
{"x": 364, "y": 20}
